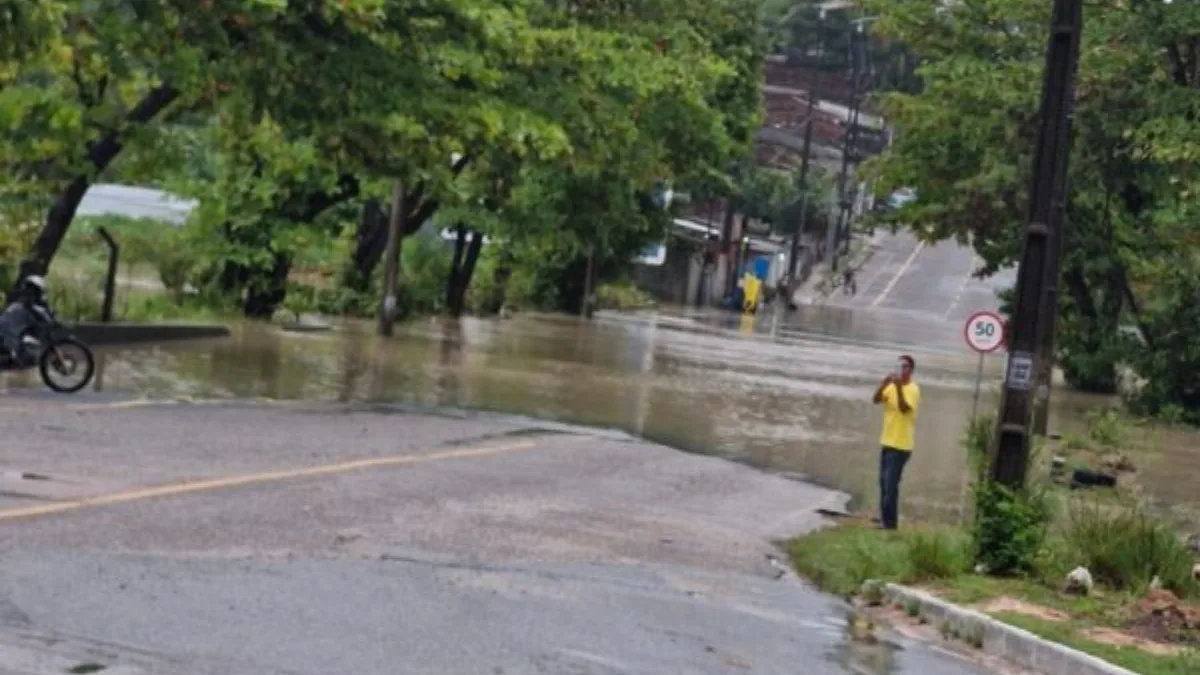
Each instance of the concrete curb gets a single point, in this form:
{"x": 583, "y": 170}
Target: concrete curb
{"x": 995, "y": 637}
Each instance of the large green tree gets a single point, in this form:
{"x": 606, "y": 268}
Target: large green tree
{"x": 965, "y": 143}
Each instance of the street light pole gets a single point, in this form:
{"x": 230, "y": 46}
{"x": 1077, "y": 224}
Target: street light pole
{"x": 1037, "y": 275}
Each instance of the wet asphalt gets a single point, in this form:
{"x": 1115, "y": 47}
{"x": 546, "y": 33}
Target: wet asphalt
{"x": 242, "y": 537}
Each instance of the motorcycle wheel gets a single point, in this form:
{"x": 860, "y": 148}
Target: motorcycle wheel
{"x": 69, "y": 357}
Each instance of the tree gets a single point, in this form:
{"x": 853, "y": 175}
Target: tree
{"x": 647, "y": 95}
{"x": 964, "y": 142}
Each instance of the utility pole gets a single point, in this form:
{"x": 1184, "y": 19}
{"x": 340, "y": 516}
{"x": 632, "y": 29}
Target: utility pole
{"x": 847, "y": 148}
{"x": 1037, "y": 275}
{"x": 391, "y": 261}
{"x": 804, "y": 166}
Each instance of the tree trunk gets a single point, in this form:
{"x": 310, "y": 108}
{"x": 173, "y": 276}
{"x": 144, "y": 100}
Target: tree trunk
{"x": 452, "y": 281}
{"x": 465, "y": 274}
{"x": 267, "y": 288}
{"x": 100, "y": 154}
{"x": 369, "y": 242}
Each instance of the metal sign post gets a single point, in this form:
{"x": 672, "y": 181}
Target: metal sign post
{"x": 984, "y": 332}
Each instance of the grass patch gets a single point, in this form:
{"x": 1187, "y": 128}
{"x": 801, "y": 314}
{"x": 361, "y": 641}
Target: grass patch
{"x": 1123, "y": 548}
{"x": 840, "y": 559}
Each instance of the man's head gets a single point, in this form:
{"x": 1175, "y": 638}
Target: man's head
{"x": 907, "y": 365}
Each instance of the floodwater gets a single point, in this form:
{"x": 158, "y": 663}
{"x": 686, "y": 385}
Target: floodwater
{"x": 788, "y": 392}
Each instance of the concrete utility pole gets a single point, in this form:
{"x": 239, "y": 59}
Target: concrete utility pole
{"x": 391, "y": 261}
{"x": 1035, "y": 308}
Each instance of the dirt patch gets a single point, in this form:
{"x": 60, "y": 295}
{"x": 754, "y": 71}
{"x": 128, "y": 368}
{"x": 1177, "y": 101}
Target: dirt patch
{"x": 1117, "y": 638}
{"x": 1163, "y": 617}
{"x": 1007, "y": 604}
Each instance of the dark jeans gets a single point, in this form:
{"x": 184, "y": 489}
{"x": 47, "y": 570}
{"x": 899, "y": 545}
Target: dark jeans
{"x": 891, "y": 468}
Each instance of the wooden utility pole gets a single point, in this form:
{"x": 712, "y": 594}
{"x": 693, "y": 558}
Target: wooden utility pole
{"x": 1040, "y": 265}
{"x": 391, "y": 261}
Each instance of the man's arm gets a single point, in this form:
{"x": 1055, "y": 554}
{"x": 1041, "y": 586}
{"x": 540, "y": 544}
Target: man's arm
{"x": 901, "y": 401}
{"x": 878, "y": 397}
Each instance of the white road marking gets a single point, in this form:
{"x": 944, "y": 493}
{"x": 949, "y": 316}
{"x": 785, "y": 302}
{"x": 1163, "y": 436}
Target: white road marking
{"x": 899, "y": 273}
{"x": 962, "y": 287}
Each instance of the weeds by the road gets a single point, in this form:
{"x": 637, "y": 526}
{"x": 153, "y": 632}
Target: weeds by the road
{"x": 1141, "y": 612}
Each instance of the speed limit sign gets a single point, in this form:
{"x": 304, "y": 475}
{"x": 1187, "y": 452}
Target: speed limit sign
{"x": 984, "y": 332}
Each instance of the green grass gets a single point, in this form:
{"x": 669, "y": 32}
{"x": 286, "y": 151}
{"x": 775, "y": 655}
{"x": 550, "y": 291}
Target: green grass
{"x": 840, "y": 559}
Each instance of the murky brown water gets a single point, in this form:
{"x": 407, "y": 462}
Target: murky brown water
{"x": 790, "y": 393}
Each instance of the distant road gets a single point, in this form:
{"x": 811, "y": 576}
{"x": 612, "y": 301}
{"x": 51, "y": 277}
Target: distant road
{"x": 933, "y": 280}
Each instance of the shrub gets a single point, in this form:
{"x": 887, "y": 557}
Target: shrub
{"x": 1106, "y": 427}
{"x": 1009, "y": 528}
{"x": 1125, "y": 548}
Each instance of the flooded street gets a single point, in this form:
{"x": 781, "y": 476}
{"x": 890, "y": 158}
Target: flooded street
{"x": 789, "y": 392}
{"x": 282, "y": 536}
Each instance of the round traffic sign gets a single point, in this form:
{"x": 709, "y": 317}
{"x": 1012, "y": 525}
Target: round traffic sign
{"x": 984, "y": 332}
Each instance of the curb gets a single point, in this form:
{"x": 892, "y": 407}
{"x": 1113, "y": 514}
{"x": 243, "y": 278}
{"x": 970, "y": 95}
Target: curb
{"x": 996, "y": 638}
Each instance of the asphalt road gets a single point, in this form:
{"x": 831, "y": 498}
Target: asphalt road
{"x": 189, "y": 539}
{"x": 929, "y": 281}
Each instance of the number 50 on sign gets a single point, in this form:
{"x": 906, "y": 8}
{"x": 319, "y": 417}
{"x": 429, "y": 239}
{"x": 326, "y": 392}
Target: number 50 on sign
{"x": 984, "y": 333}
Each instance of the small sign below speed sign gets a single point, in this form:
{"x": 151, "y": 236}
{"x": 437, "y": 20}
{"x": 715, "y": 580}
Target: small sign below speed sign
{"x": 984, "y": 332}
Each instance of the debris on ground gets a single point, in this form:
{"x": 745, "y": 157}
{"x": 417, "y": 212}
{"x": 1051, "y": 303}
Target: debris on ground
{"x": 1162, "y": 617}
{"x": 1080, "y": 582}
{"x": 1117, "y": 462}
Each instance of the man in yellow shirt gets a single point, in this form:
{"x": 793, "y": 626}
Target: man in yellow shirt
{"x": 900, "y": 398}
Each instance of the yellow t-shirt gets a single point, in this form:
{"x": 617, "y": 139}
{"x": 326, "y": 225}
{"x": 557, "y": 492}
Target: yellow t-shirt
{"x": 899, "y": 428}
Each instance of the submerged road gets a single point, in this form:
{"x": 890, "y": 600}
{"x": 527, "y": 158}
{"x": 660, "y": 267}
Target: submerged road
{"x": 241, "y": 537}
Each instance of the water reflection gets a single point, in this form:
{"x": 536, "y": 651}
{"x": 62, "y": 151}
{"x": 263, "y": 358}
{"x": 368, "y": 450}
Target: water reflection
{"x": 792, "y": 394}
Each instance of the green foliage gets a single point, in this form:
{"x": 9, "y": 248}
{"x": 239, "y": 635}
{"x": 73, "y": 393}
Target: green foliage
{"x": 965, "y": 143}
{"x": 1107, "y": 427}
{"x": 841, "y": 559}
{"x": 977, "y": 438}
{"x": 938, "y": 554}
{"x": 1126, "y": 548}
{"x": 621, "y": 294}
{"x": 1009, "y": 528}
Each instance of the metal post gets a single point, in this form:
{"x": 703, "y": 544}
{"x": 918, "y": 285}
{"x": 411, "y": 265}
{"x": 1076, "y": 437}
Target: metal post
{"x": 391, "y": 261}
{"x": 978, "y": 384}
{"x": 110, "y": 276}
{"x": 1039, "y": 264}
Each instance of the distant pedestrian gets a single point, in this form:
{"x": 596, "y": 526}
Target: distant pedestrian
{"x": 849, "y": 285}
{"x": 900, "y": 397}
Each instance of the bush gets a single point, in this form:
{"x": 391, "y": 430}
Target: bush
{"x": 1106, "y": 427}
{"x": 1126, "y": 548}
{"x": 621, "y": 295}
{"x": 73, "y": 299}
{"x": 1009, "y": 528}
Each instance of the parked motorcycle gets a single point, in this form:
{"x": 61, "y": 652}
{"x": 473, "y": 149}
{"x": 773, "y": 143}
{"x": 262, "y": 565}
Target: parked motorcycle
{"x": 51, "y": 348}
